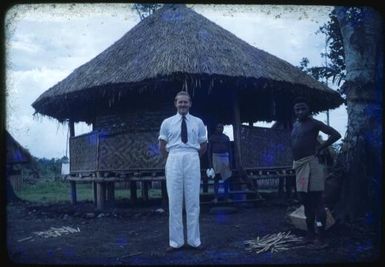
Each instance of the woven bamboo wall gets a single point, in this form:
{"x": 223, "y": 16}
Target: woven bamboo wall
{"x": 130, "y": 150}
{"x": 120, "y": 142}
{"x": 265, "y": 147}
{"x": 83, "y": 152}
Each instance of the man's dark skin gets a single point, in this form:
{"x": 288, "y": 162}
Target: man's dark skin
{"x": 218, "y": 147}
{"x": 305, "y": 131}
{"x": 219, "y": 143}
{"x": 304, "y": 143}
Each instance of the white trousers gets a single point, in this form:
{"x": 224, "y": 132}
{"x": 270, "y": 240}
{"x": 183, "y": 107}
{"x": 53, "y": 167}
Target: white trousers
{"x": 183, "y": 179}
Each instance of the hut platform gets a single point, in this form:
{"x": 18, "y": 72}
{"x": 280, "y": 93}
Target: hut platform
{"x": 245, "y": 186}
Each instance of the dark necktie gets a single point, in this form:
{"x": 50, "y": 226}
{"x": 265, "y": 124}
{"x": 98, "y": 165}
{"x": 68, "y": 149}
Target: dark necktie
{"x": 184, "y": 130}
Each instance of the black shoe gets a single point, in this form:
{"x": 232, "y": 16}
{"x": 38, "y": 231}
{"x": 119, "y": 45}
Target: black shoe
{"x": 319, "y": 244}
{"x": 309, "y": 238}
{"x": 172, "y": 249}
{"x": 198, "y": 248}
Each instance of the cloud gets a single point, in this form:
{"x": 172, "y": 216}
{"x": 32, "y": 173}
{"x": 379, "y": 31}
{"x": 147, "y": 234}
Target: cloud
{"x": 41, "y": 50}
{"x": 291, "y": 36}
{"x": 61, "y": 45}
{"x": 23, "y": 87}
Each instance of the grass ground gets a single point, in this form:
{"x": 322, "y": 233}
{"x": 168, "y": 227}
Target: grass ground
{"x": 53, "y": 191}
{"x": 50, "y": 191}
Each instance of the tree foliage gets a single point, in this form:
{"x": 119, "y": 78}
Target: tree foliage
{"x": 49, "y": 168}
{"x": 335, "y": 69}
{"x": 145, "y": 10}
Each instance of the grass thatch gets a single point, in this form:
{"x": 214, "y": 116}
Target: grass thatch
{"x": 174, "y": 49}
{"x": 15, "y": 152}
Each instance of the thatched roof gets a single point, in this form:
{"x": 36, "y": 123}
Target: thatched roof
{"x": 15, "y": 152}
{"x": 173, "y": 49}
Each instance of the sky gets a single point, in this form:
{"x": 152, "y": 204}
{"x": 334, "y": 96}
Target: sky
{"x": 46, "y": 42}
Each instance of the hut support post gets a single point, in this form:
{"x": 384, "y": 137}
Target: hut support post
{"x": 111, "y": 194}
{"x": 237, "y": 133}
{"x": 145, "y": 190}
{"x": 71, "y": 125}
{"x": 164, "y": 190}
{"x": 237, "y": 141}
{"x": 95, "y": 190}
{"x": 133, "y": 194}
{"x": 101, "y": 195}
{"x": 73, "y": 192}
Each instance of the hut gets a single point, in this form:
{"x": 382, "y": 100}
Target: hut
{"x": 16, "y": 157}
{"x": 127, "y": 90}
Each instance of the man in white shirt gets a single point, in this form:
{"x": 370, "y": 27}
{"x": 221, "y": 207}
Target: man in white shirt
{"x": 182, "y": 140}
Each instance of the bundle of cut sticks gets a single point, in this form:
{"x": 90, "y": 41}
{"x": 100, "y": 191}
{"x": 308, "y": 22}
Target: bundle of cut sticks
{"x": 54, "y": 231}
{"x": 274, "y": 242}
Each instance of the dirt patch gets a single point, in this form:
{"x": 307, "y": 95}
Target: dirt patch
{"x": 139, "y": 235}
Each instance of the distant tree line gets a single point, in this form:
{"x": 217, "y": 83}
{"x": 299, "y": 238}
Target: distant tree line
{"x": 43, "y": 168}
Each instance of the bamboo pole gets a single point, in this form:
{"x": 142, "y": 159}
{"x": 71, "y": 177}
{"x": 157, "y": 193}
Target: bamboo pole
{"x": 73, "y": 192}
{"x": 101, "y": 195}
{"x": 237, "y": 133}
{"x": 145, "y": 190}
{"x": 164, "y": 190}
{"x": 133, "y": 188}
{"x": 95, "y": 190}
{"x": 71, "y": 125}
{"x": 111, "y": 194}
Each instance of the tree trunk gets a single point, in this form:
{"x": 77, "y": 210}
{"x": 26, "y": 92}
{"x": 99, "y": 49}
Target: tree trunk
{"x": 362, "y": 35}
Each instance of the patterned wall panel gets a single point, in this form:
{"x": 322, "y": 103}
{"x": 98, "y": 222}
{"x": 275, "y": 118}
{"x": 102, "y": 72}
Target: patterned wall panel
{"x": 83, "y": 152}
{"x": 134, "y": 150}
{"x": 265, "y": 147}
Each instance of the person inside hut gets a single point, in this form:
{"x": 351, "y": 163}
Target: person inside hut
{"x": 219, "y": 158}
{"x": 182, "y": 140}
{"x": 310, "y": 177}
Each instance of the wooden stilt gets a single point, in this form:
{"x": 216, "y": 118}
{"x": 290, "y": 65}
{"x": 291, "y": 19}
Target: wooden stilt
{"x": 205, "y": 184}
{"x": 133, "y": 187}
{"x": 101, "y": 195}
{"x": 73, "y": 192}
{"x": 280, "y": 186}
{"x": 237, "y": 140}
{"x": 71, "y": 126}
{"x": 237, "y": 134}
{"x": 95, "y": 190}
{"x": 164, "y": 190}
{"x": 111, "y": 194}
{"x": 145, "y": 190}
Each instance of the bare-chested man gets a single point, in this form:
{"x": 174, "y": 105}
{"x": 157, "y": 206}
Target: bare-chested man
{"x": 310, "y": 179}
{"x": 219, "y": 152}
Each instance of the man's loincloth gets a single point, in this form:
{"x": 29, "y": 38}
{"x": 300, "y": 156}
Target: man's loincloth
{"x": 310, "y": 174}
{"x": 221, "y": 164}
